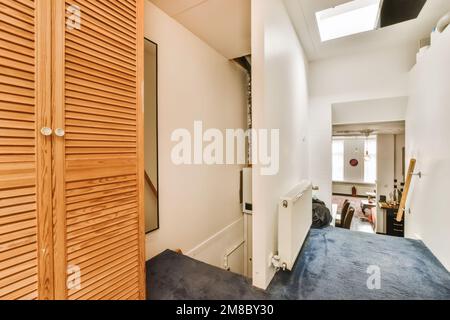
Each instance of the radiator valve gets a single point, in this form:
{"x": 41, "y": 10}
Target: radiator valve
{"x": 277, "y": 264}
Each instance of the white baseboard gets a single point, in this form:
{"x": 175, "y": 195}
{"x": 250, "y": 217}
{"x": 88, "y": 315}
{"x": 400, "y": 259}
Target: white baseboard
{"x": 417, "y": 236}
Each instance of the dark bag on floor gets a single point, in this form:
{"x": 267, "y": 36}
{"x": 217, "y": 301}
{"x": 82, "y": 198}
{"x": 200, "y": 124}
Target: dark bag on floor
{"x": 321, "y": 216}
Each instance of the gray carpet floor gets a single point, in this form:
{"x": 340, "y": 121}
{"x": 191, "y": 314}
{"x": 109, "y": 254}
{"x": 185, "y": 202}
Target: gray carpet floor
{"x": 332, "y": 265}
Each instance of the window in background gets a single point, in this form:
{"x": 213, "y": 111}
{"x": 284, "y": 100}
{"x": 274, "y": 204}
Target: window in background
{"x": 338, "y": 160}
{"x": 370, "y": 163}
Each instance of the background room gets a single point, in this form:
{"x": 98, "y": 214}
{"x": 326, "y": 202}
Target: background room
{"x": 368, "y": 161}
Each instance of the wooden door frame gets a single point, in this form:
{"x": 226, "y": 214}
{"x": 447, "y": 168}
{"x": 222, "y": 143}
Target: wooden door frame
{"x": 43, "y": 27}
{"x": 140, "y": 14}
{"x": 58, "y": 150}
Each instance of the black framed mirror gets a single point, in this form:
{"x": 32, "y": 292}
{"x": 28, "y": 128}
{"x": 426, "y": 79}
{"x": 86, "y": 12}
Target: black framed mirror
{"x": 151, "y": 136}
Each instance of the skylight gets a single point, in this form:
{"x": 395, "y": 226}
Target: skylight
{"x": 349, "y": 18}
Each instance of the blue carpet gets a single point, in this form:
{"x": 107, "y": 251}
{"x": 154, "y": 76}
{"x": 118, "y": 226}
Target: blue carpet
{"x": 332, "y": 265}
{"x": 172, "y": 276}
{"x": 334, "y": 262}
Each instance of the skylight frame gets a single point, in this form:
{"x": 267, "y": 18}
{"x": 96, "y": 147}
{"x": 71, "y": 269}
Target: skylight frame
{"x": 348, "y": 19}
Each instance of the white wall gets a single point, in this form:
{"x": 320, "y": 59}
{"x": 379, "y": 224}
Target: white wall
{"x": 385, "y": 164}
{"x": 385, "y": 174}
{"x": 280, "y": 101}
{"x": 370, "y": 111}
{"x": 366, "y": 76}
{"x": 195, "y": 83}
{"x": 373, "y": 75}
{"x": 427, "y": 140}
{"x": 354, "y": 149}
{"x": 211, "y": 250}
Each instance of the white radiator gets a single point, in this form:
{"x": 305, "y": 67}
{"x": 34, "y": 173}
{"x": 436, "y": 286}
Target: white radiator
{"x": 294, "y": 222}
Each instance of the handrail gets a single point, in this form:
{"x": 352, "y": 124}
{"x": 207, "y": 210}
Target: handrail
{"x": 149, "y": 182}
{"x": 229, "y": 253}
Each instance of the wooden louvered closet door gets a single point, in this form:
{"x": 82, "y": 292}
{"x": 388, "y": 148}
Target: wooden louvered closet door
{"x": 26, "y": 254}
{"x": 98, "y": 164}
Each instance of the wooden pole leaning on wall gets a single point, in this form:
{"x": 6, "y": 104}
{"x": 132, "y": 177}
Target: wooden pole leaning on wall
{"x": 401, "y": 209}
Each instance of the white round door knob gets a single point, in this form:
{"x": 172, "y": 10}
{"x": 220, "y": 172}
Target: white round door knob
{"x": 46, "y": 131}
{"x": 60, "y": 132}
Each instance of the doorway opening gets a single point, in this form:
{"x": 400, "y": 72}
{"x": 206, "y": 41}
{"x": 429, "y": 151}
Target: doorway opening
{"x": 368, "y": 165}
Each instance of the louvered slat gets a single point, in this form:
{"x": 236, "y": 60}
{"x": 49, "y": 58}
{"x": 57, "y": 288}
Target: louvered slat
{"x": 18, "y": 215}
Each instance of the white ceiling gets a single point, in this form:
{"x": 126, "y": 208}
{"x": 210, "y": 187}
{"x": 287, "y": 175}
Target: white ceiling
{"x": 397, "y": 127}
{"x": 224, "y": 24}
{"x": 302, "y": 13}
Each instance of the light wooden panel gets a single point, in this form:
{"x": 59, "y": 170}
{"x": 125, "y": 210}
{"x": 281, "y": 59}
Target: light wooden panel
{"x": 98, "y": 166}
{"x": 26, "y": 253}
{"x": 409, "y": 175}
